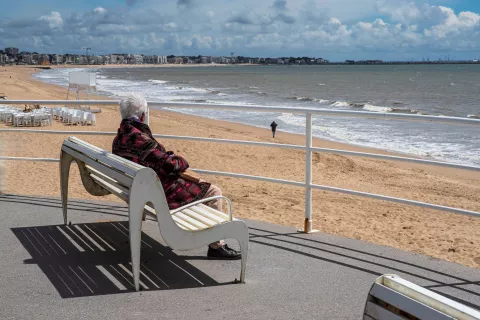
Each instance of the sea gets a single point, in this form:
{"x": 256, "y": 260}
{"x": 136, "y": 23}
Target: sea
{"x": 438, "y": 90}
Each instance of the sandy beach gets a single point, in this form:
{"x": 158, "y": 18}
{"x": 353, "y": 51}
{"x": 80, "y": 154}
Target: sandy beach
{"x": 438, "y": 234}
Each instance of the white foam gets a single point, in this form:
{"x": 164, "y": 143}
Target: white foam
{"x": 157, "y": 81}
{"x": 340, "y": 104}
{"x": 473, "y": 116}
{"x": 370, "y": 107}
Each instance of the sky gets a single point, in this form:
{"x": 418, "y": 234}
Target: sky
{"x": 332, "y": 29}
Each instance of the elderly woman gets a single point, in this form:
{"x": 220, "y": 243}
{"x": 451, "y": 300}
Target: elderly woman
{"x": 134, "y": 141}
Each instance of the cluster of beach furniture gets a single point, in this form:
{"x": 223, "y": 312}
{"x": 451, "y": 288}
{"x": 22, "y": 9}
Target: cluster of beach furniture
{"x": 26, "y": 118}
{"x": 43, "y": 116}
{"x": 81, "y": 116}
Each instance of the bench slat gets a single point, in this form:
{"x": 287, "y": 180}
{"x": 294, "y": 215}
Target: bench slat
{"x": 122, "y": 161}
{"x": 221, "y": 215}
{"x": 207, "y": 213}
{"x": 102, "y": 158}
{"x": 199, "y": 217}
{"x": 191, "y": 221}
{"x": 184, "y": 225}
{"x": 119, "y": 159}
{"x": 125, "y": 180}
{"x": 378, "y": 313}
{"x": 115, "y": 189}
{"x": 110, "y": 180}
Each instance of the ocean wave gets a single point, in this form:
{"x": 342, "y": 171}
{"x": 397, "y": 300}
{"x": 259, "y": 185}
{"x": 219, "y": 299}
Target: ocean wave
{"x": 302, "y": 98}
{"x": 473, "y": 116}
{"x": 221, "y": 94}
{"x": 189, "y": 100}
{"x": 321, "y": 84}
{"x": 370, "y": 107}
{"x": 340, "y": 104}
{"x": 157, "y": 81}
{"x": 405, "y": 110}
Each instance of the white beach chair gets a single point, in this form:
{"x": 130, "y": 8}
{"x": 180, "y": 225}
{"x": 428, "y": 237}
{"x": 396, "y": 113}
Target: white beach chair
{"x": 27, "y": 119}
{"x": 84, "y": 118}
{"x": 18, "y": 121}
{"x": 92, "y": 119}
{"x": 45, "y": 120}
{"x": 37, "y": 120}
{"x": 76, "y": 117}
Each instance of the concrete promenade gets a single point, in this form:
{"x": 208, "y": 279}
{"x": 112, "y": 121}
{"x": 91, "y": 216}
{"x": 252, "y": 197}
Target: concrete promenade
{"x": 81, "y": 271}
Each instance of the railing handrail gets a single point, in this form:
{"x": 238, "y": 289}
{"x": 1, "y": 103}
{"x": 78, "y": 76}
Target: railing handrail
{"x": 263, "y": 144}
{"x": 276, "y": 109}
{"x": 308, "y": 148}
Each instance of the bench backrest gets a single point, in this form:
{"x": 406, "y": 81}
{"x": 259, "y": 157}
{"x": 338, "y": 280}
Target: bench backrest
{"x": 96, "y": 159}
{"x": 392, "y": 297}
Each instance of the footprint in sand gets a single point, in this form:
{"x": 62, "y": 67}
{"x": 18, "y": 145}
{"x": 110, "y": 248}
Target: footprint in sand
{"x": 477, "y": 260}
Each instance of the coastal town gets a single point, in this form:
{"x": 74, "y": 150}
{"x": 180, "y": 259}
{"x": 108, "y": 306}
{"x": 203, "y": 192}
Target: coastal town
{"x": 13, "y": 56}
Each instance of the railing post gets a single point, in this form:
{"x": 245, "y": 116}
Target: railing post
{"x": 308, "y": 175}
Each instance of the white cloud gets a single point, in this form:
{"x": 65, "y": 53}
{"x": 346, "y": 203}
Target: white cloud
{"x": 100, "y": 10}
{"x": 54, "y": 20}
{"x": 251, "y": 27}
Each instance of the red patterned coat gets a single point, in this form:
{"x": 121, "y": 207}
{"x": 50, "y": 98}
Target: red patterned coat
{"x": 134, "y": 141}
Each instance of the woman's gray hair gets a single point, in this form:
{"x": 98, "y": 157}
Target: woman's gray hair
{"x": 134, "y": 105}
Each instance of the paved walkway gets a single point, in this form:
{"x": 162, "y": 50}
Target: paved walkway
{"x": 52, "y": 271}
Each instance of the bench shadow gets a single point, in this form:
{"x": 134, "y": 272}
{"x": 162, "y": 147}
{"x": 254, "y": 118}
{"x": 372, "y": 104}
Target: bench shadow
{"x": 94, "y": 259}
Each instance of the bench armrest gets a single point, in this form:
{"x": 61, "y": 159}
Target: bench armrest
{"x": 203, "y": 201}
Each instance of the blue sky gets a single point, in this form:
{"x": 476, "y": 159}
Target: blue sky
{"x": 333, "y": 29}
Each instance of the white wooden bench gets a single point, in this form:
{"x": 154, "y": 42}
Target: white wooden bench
{"x": 192, "y": 226}
{"x": 394, "y": 298}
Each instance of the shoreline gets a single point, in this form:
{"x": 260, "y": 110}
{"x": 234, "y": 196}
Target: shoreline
{"x": 345, "y": 145}
{"x": 438, "y": 234}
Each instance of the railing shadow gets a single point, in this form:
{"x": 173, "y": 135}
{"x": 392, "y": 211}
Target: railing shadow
{"x": 119, "y": 210}
{"x": 285, "y": 241}
{"x": 94, "y": 259}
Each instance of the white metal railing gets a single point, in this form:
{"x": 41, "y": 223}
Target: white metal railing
{"x": 308, "y": 148}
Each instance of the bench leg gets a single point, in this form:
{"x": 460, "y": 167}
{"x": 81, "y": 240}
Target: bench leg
{"x": 136, "y": 208}
{"x": 244, "y": 250}
{"x": 65, "y": 161}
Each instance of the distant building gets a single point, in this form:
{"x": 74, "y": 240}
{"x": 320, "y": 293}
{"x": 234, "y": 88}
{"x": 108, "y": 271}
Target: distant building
{"x": 26, "y": 58}
{"x": 137, "y": 59}
{"x": 57, "y": 59}
{"x": 11, "y": 51}
{"x": 44, "y": 59}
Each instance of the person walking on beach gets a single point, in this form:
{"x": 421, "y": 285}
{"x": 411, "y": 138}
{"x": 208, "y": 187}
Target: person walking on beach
{"x": 274, "y": 128}
{"x": 134, "y": 142}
